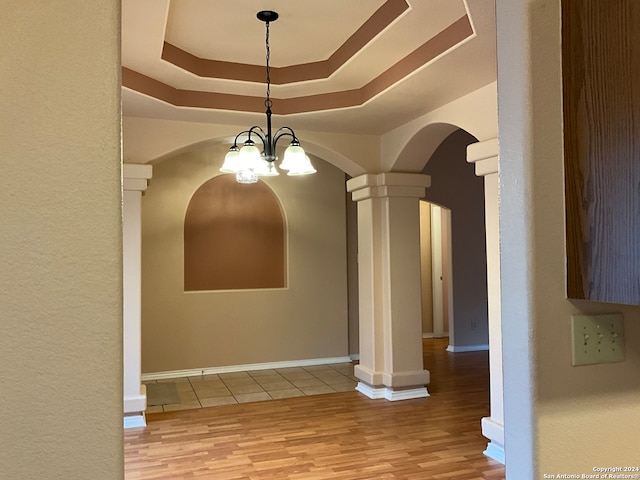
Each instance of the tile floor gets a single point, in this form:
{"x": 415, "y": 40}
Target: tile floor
{"x": 258, "y": 385}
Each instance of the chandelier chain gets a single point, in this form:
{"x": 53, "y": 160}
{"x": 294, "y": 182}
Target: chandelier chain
{"x": 268, "y": 103}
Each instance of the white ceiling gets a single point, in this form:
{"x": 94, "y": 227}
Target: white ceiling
{"x": 406, "y": 58}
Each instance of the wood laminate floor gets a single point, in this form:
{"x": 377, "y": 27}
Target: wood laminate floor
{"x": 331, "y": 436}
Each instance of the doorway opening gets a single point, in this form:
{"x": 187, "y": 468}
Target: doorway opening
{"x": 435, "y": 263}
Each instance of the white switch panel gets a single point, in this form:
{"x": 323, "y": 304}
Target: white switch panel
{"x": 597, "y": 339}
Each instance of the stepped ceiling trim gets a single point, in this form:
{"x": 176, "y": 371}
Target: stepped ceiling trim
{"x": 381, "y": 19}
{"x": 453, "y": 35}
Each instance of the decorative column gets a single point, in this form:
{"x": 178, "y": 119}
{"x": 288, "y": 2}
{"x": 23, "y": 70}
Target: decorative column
{"x": 485, "y": 157}
{"x": 391, "y": 358}
{"x": 135, "y": 396}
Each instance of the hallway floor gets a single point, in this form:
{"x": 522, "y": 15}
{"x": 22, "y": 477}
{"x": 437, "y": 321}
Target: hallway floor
{"x": 342, "y": 435}
{"x": 258, "y": 385}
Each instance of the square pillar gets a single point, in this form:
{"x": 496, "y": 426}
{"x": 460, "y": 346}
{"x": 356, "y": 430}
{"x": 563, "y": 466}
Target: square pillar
{"x": 135, "y": 179}
{"x": 484, "y": 155}
{"x": 391, "y": 358}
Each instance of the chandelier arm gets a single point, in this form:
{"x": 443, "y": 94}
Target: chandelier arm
{"x": 258, "y": 132}
{"x": 255, "y": 130}
{"x": 235, "y": 140}
{"x": 284, "y": 132}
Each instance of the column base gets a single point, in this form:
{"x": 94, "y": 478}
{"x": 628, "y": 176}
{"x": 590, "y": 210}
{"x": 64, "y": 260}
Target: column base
{"x": 391, "y": 394}
{"x": 136, "y": 403}
{"x": 395, "y": 380}
{"x": 134, "y": 408}
{"x": 135, "y": 420}
{"x": 494, "y": 431}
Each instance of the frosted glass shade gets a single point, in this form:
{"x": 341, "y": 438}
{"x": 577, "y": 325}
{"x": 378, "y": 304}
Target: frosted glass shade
{"x": 249, "y": 157}
{"x": 303, "y": 167}
{"x": 231, "y": 161}
{"x": 294, "y": 154}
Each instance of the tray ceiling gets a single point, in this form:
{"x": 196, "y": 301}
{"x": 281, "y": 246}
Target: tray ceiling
{"x": 361, "y": 67}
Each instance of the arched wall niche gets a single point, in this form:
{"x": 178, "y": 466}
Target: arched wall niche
{"x": 234, "y": 237}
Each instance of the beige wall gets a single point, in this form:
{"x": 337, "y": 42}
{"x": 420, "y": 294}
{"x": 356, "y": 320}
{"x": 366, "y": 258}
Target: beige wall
{"x": 60, "y": 241}
{"x": 149, "y": 139}
{"x": 307, "y": 320}
{"x": 352, "y": 276}
{"x": 425, "y": 267}
{"x": 558, "y": 418}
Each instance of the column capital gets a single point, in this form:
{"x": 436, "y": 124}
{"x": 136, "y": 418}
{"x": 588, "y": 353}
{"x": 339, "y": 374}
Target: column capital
{"x": 135, "y": 176}
{"x": 485, "y": 156}
{"x": 389, "y": 184}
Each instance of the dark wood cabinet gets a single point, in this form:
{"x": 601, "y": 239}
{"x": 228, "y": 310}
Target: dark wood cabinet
{"x": 601, "y": 101}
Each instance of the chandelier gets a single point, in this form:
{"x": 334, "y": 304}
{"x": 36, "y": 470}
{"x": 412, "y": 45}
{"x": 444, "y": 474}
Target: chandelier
{"x": 248, "y": 162}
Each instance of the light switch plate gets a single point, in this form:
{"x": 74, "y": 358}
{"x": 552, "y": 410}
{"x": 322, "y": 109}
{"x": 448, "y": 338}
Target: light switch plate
{"x": 597, "y": 339}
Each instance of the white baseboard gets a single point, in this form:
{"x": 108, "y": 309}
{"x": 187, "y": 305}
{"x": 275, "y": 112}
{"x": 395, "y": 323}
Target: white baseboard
{"x": 433, "y": 335}
{"x": 494, "y": 431}
{"x": 193, "y": 372}
{"x": 355, "y": 357}
{"x": 494, "y": 451}
{"x": 390, "y": 394}
{"x": 467, "y": 348}
{"x": 135, "y": 421}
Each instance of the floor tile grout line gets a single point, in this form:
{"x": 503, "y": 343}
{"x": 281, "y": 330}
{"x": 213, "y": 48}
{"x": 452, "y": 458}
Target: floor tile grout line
{"x": 328, "y": 367}
{"x": 194, "y": 391}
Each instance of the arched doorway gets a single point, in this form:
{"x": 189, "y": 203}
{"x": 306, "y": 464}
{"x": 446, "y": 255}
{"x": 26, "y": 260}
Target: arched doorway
{"x": 455, "y": 186}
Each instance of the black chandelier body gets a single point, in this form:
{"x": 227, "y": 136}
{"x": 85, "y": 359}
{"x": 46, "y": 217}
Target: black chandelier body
{"x": 247, "y": 162}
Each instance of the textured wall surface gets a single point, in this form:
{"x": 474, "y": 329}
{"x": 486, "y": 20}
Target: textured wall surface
{"x": 60, "y": 241}
{"x": 558, "y": 418}
{"x": 306, "y": 320}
